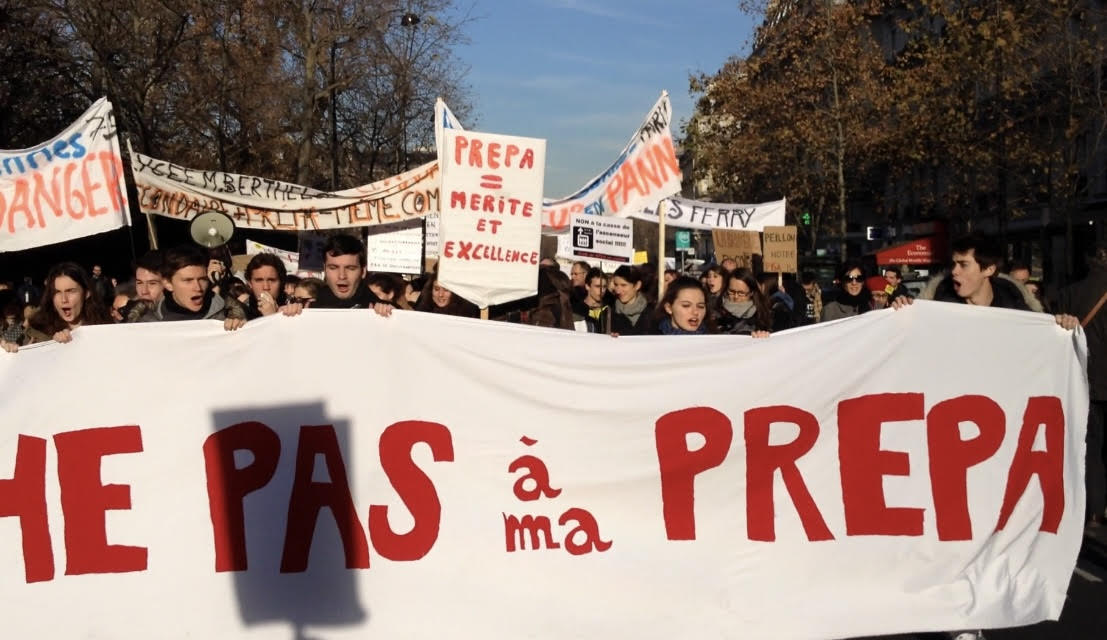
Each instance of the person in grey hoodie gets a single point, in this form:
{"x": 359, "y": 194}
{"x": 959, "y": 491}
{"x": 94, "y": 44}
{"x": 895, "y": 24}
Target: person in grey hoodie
{"x": 188, "y": 293}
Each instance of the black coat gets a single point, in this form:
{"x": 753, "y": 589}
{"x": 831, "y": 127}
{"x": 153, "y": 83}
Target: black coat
{"x": 1078, "y": 299}
{"x": 1005, "y": 293}
{"x": 363, "y": 298}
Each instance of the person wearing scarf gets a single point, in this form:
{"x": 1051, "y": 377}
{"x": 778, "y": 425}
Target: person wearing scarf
{"x": 630, "y": 317}
{"x": 852, "y": 297}
{"x": 683, "y": 310}
{"x": 743, "y": 308}
{"x": 188, "y": 294}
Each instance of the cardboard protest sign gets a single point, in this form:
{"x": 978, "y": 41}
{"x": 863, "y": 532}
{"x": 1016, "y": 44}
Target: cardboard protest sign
{"x": 385, "y": 510}
{"x": 170, "y": 190}
{"x": 491, "y": 215}
{"x": 65, "y": 188}
{"x": 646, "y": 171}
{"x": 602, "y": 238}
{"x": 739, "y": 246}
{"x": 780, "y": 254}
{"x": 693, "y": 214}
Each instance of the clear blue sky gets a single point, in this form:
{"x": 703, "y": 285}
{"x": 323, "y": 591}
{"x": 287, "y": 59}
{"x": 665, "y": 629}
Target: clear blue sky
{"x": 584, "y": 73}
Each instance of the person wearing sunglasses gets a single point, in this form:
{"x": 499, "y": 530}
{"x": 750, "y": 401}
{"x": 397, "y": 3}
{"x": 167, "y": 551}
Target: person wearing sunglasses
{"x": 852, "y": 297}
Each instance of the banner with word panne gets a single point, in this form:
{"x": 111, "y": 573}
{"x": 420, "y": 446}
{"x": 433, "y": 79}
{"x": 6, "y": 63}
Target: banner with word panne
{"x": 170, "y": 190}
{"x": 68, "y": 187}
{"x": 645, "y": 172}
{"x": 694, "y": 214}
{"x": 490, "y": 223}
{"x": 482, "y": 486}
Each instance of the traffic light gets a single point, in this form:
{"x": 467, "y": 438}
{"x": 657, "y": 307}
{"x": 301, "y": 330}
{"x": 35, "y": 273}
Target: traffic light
{"x": 805, "y": 218}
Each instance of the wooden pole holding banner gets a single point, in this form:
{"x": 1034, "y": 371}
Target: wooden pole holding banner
{"x": 151, "y": 232}
{"x": 661, "y": 249}
{"x": 484, "y": 313}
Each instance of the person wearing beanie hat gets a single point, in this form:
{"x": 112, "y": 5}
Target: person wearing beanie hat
{"x": 878, "y": 287}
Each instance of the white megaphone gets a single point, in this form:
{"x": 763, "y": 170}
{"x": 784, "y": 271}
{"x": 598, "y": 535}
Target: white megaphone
{"x": 212, "y": 229}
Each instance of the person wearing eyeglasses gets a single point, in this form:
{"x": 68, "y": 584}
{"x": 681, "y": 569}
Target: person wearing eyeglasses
{"x": 305, "y": 292}
{"x": 852, "y": 297}
{"x": 743, "y": 309}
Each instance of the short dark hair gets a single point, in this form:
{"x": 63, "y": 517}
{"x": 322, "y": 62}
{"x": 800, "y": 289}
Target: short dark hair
{"x": 593, "y": 273}
{"x": 808, "y": 277}
{"x": 986, "y": 251}
{"x": 345, "y": 245}
{"x": 150, "y": 261}
{"x": 1018, "y": 265}
{"x": 266, "y": 260}
{"x": 628, "y": 273}
{"x": 183, "y": 256}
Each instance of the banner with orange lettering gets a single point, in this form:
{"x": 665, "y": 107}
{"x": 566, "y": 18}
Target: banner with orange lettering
{"x": 68, "y": 187}
{"x": 646, "y": 171}
{"x": 170, "y": 190}
{"x": 434, "y": 477}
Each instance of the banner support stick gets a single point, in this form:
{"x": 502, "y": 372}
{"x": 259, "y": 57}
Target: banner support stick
{"x": 661, "y": 249}
{"x": 484, "y": 313}
{"x": 151, "y": 232}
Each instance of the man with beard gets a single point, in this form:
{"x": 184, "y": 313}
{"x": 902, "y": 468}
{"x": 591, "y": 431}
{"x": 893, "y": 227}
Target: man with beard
{"x": 188, "y": 292}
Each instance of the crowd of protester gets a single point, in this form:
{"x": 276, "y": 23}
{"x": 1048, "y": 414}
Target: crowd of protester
{"x": 191, "y": 283}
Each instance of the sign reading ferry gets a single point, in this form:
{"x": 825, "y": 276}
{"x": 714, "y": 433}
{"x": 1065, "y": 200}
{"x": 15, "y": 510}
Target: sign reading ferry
{"x": 491, "y": 222}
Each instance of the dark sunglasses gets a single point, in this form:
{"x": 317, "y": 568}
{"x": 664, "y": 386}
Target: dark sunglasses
{"x": 855, "y": 278}
{"x": 295, "y": 300}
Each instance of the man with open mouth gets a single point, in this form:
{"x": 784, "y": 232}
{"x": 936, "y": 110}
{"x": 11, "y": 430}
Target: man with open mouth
{"x": 344, "y": 272}
{"x": 188, "y": 293}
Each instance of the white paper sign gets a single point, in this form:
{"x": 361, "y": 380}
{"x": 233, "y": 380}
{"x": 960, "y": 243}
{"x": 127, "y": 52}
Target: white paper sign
{"x": 291, "y": 259}
{"x": 396, "y": 251}
{"x": 503, "y": 496}
{"x": 65, "y": 188}
{"x": 602, "y": 238}
{"x": 491, "y": 215}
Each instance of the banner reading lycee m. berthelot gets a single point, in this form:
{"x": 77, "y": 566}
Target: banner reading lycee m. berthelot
{"x": 478, "y": 484}
{"x": 491, "y": 215}
{"x": 66, "y": 188}
{"x": 168, "y": 189}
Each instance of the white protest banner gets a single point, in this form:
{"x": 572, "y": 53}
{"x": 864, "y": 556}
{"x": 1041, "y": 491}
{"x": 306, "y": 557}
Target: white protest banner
{"x": 170, "y": 190}
{"x": 491, "y": 208}
{"x": 399, "y": 251}
{"x": 290, "y": 259}
{"x": 602, "y": 238}
{"x": 479, "y": 485}
{"x": 646, "y": 171}
{"x": 65, "y": 188}
{"x": 694, "y": 214}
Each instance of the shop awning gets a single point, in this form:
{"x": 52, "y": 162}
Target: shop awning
{"x": 925, "y": 250}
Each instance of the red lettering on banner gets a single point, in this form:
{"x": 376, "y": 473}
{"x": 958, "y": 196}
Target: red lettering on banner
{"x": 89, "y": 187}
{"x": 309, "y": 498}
{"x": 680, "y": 465}
{"x": 951, "y": 457}
{"x": 228, "y": 485}
{"x": 536, "y": 471}
{"x": 84, "y": 500}
{"x": 587, "y": 525}
{"x": 476, "y": 153}
{"x": 1048, "y": 465}
{"x": 762, "y": 461}
{"x": 864, "y": 464}
{"x": 414, "y": 488}
{"x": 24, "y": 496}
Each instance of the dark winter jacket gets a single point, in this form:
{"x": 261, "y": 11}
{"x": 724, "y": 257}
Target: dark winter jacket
{"x": 1079, "y": 299}
{"x": 1006, "y": 293}
{"x": 215, "y": 308}
{"x": 363, "y": 298}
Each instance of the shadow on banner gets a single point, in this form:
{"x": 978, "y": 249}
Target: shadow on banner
{"x": 267, "y": 469}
